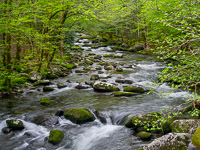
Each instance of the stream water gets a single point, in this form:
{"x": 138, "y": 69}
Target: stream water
{"x": 94, "y": 135}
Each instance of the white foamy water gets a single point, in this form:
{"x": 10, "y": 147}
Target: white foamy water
{"x": 149, "y": 66}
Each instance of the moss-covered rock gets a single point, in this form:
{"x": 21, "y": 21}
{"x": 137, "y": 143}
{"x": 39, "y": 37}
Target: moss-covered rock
{"x": 108, "y": 55}
{"x": 129, "y": 124}
{"x": 171, "y": 141}
{"x": 118, "y": 94}
{"x": 15, "y": 124}
{"x": 78, "y": 115}
{"x": 42, "y": 82}
{"x": 144, "y": 135}
{"x": 56, "y": 136}
{"x": 132, "y": 88}
{"x": 94, "y": 77}
{"x": 196, "y": 138}
{"x": 61, "y": 85}
{"x": 45, "y": 101}
{"x": 51, "y": 76}
{"x": 184, "y": 125}
{"x": 70, "y": 66}
{"x": 119, "y": 70}
{"x": 47, "y": 89}
{"x": 105, "y": 87}
{"x": 110, "y": 67}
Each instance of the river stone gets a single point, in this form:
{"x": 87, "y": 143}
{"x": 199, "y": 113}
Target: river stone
{"x": 124, "y": 81}
{"x": 47, "y": 89}
{"x": 100, "y": 116}
{"x": 42, "y": 82}
{"x": 59, "y": 113}
{"x": 56, "y": 136}
{"x": 133, "y": 88}
{"x": 94, "y": 77}
{"x": 78, "y": 115}
{"x": 118, "y": 94}
{"x": 144, "y": 135}
{"x": 184, "y": 126}
{"x": 81, "y": 71}
{"x": 171, "y": 141}
{"x": 15, "y": 124}
{"x": 118, "y": 55}
{"x": 45, "y": 120}
{"x": 196, "y": 138}
{"x": 97, "y": 57}
{"x": 45, "y": 101}
{"x": 108, "y": 55}
{"x": 110, "y": 67}
{"x": 80, "y": 87}
{"x": 61, "y": 85}
{"x": 119, "y": 70}
{"x": 104, "y": 87}
{"x": 7, "y": 130}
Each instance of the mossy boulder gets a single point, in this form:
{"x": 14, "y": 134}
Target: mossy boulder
{"x": 184, "y": 125}
{"x": 118, "y": 94}
{"x": 94, "y": 77}
{"x": 70, "y": 66}
{"x": 133, "y": 88}
{"x": 42, "y": 82}
{"x": 144, "y": 135}
{"x": 104, "y": 87}
{"x": 78, "y": 115}
{"x": 47, "y": 89}
{"x": 119, "y": 70}
{"x": 15, "y": 124}
{"x": 196, "y": 138}
{"x": 56, "y": 136}
{"x": 45, "y": 101}
{"x": 171, "y": 141}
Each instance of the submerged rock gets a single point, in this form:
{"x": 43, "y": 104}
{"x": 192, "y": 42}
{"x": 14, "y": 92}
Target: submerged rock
{"x": 171, "y": 141}
{"x": 15, "y": 124}
{"x": 132, "y": 88}
{"x": 56, "y": 136}
{"x": 78, "y": 115}
{"x": 144, "y": 135}
{"x": 104, "y": 87}
{"x": 45, "y": 120}
{"x": 45, "y": 101}
{"x": 124, "y": 81}
{"x": 118, "y": 94}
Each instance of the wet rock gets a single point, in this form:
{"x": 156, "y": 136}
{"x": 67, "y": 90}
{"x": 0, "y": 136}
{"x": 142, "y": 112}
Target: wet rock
{"x": 105, "y": 87}
{"x": 80, "y": 87}
{"x": 196, "y": 138}
{"x": 47, "y": 89}
{"x": 97, "y": 57}
{"x": 45, "y": 120}
{"x": 118, "y": 55}
{"x": 132, "y": 88}
{"x": 7, "y": 130}
{"x": 100, "y": 72}
{"x": 61, "y": 85}
{"x": 78, "y": 115}
{"x": 119, "y": 70}
{"x": 42, "y": 82}
{"x": 128, "y": 66}
{"x": 88, "y": 62}
{"x": 124, "y": 81}
{"x": 108, "y": 55}
{"x": 129, "y": 124}
{"x": 100, "y": 116}
{"x": 59, "y": 113}
{"x": 45, "y": 101}
{"x": 106, "y": 77}
{"x": 15, "y": 124}
{"x": 98, "y": 67}
{"x": 81, "y": 71}
{"x": 144, "y": 135}
{"x": 95, "y": 77}
{"x": 35, "y": 76}
{"x": 176, "y": 141}
{"x": 184, "y": 126}
{"x": 89, "y": 83}
{"x": 56, "y": 136}
{"x": 109, "y": 67}
{"x": 87, "y": 68}
{"x": 118, "y": 94}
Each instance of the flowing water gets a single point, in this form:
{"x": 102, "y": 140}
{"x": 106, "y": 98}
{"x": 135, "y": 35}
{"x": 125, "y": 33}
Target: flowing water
{"x": 94, "y": 135}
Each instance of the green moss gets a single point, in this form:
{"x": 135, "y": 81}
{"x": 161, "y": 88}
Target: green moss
{"x": 56, "y": 136}
{"x": 51, "y": 76}
{"x": 108, "y": 67}
{"x": 129, "y": 124}
{"x": 119, "y": 70}
{"x": 70, "y": 66}
{"x": 117, "y": 94}
{"x": 144, "y": 135}
{"x": 78, "y": 115}
{"x": 45, "y": 101}
{"x": 132, "y": 88}
{"x": 196, "y": 138}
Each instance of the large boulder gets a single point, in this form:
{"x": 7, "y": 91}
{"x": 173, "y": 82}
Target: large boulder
{"x": 56, "y": 136}
{"x": 105, "y": 87}
{"x": 15, "y": 124}
{"x": 196, "y": 138}
{"x": 79, "y": 115}
{"x": 133, "y": 88}
{"x": 171, "y": 141}
{"x": 184, "y": 126}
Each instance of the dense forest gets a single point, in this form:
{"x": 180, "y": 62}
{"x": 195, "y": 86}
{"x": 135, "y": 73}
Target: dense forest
{"x": 36, "y": 33}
